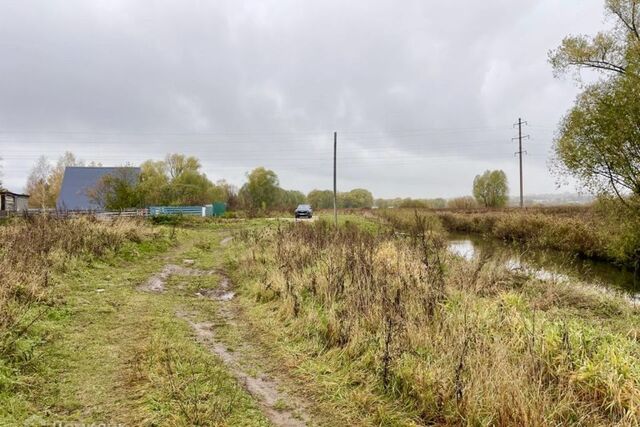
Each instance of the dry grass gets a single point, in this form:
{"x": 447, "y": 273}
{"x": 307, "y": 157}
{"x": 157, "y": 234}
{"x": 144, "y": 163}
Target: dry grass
{"x": 456, "y": 342}
{"x": 604, "y": 231}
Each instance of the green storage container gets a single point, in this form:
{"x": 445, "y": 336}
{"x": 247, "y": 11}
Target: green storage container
{"x": 216, "y": 209}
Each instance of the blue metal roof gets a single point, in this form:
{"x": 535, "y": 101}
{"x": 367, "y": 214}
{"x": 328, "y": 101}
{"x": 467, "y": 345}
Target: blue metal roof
{"x": 78, "y": 179}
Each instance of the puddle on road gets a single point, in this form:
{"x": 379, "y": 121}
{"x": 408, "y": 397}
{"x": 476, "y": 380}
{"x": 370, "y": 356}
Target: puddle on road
{"x": 156, "y": 283}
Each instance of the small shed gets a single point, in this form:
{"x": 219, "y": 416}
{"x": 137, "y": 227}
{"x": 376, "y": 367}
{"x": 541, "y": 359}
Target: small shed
{"x": 13, "y": 202}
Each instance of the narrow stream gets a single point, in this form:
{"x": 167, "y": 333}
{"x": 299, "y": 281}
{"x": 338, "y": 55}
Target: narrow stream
{"x": 548, "y": 265}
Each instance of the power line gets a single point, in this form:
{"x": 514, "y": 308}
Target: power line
{"x": 318, "y": 133}
{"x": 280, "y": 159}
{"x": 519, "y": 153}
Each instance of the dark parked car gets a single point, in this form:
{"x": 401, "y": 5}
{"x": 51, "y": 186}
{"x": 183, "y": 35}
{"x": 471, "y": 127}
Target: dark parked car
{"x": 304, "y": 211}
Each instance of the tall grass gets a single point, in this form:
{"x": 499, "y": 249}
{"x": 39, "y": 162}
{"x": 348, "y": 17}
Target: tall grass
{"x": 456, "y": 342}
{"x": 33, "y": 251}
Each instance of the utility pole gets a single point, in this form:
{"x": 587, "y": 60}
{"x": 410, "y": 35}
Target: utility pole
{"x": 519, "y": 153}
{"x": 335, "y": 193}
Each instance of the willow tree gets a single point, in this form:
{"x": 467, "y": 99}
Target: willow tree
{"x": 491, "y": 189}
{"x": 262, "y": 189}
{"x": 599, "y": 139}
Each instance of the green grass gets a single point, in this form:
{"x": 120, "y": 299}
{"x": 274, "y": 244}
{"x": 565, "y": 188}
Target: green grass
{"x": 533, "y": 353}
{"x": 110, "y": 353}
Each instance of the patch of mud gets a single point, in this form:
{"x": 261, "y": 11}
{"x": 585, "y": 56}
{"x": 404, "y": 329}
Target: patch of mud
{"x": 216, "y": 295}
{"x": 281, "y": 409}
{"x": 157, "y": 282}
{"x": 226, "y": 241}
{"x": 227, "y": 296}
{"x": 222, "y": 293}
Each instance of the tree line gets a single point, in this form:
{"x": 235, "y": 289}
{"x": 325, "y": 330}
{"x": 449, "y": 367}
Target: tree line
{"x": 490, "y": 190}
{"x": 178, "y": 180}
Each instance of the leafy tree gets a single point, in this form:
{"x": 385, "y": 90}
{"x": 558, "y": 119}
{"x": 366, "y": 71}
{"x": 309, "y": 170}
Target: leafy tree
{"x": 491, "y": 189}
{"x": 117, "y": 190}
{"x": 411, "y": 203}
{"x": 320, "y": 199}
{"x": 262, "y": 189}
{"x": 38, "y": 184}
{"x": 599, "y": 139}
{"x": 382, "y": 203}
{"x": 194, "y": 188}
{"x": 361, "y": 198}
{"x": 616, "y": 51}
{"x": 44, "y": 182}
{"x": 68, "y": 159}
{"x": 408, "y": 202}
{"x": 356, "y": 198}
{"x": 154, "y": 183}
{"x": 289, "y": 199}
{"x": 177, "y": 181}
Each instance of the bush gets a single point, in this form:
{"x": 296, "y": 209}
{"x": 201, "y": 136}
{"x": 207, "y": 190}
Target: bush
{"x": 466, "y": 202}
{"x": 229, "y": 215}
{"x": 164, "y": 219}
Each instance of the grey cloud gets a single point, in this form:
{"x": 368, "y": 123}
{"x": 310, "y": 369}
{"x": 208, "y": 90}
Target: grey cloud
{"x": 422, "y": 93}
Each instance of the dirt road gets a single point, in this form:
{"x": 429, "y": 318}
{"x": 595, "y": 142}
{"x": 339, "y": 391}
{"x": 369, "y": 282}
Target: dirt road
{"x": 160, "y": 341}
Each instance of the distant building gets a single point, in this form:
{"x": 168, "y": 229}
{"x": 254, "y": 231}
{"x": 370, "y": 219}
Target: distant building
{"x": 78, "y": 181}
{"x": 13, "y": 202}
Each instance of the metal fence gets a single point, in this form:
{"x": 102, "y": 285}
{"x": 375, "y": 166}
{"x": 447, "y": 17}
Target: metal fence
{"x": 73, "y": 213}
{"x": 178, "y": 210}
{"x": 124, "y": 213}
{"x": 215, "y": 209}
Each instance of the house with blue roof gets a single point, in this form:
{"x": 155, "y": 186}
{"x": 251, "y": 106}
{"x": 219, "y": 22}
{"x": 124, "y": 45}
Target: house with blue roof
{"x": 79, "y": 181}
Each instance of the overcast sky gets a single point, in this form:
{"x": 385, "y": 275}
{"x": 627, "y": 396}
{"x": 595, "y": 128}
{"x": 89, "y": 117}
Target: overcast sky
{"x": 423, "y": 94}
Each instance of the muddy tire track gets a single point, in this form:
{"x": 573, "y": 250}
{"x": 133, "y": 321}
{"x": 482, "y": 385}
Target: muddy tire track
{"x": 281, "y": 408}
{"x": 264, "y": 389}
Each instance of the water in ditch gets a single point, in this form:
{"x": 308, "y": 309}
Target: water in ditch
{"x": 547, "y": 264}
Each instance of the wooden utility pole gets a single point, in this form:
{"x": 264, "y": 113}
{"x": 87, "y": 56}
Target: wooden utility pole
{"x": 519, "y": 154}
{"x": 335, "y": 193}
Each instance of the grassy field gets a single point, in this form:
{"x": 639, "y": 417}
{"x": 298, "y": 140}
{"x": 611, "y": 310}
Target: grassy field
{"x": 88, "y": 346}
{"x": 268, "y": 322}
